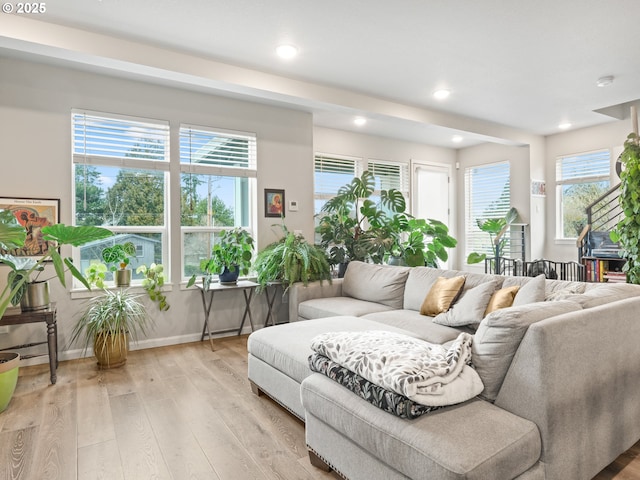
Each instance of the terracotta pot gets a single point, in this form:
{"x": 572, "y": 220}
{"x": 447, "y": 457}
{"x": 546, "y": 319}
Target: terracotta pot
{"x": 8, "y": 377}
{"x": 111, "y": 349}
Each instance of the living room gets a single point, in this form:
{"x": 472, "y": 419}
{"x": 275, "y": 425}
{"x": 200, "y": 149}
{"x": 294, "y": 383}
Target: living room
{"x": 42, "y": 86}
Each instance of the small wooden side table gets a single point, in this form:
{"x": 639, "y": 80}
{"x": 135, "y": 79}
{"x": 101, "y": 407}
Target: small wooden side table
{"x": 247, "y": 288}
{"x": 47, "y": 316}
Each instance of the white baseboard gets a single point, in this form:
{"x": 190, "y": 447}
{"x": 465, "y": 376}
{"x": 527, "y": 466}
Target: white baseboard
{"x": 141, "y": 345}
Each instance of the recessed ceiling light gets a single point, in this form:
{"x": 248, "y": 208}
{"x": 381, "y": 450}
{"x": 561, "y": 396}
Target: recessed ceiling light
{"x": 287, "y": 51}
{"x": 456, "y": 139}
{"x": 360, "y": 121}
{"x": 441, "y": 94}
{"x": 605, "y": 81}
{"x": 564, "y": 126}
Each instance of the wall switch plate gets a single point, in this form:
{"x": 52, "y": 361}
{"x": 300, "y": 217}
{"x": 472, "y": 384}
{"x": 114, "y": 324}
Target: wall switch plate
{"x": 293, "y": 205}
{"x": 4, "y": 329}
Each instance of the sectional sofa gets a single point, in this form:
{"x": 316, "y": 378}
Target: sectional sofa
{"x": 560, "y": 368}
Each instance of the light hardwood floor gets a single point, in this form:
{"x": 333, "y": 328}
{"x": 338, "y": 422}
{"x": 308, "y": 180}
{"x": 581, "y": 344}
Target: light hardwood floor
{"x": 180, "y": 412}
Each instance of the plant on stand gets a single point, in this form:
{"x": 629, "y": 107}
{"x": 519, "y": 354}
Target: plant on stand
{"x": 230, "y": 256}
{"x": 117, "y": 256}
{"x": 496, "y": 228}
{"x": 12, "y": 236}
{"x": 291, "y": 259}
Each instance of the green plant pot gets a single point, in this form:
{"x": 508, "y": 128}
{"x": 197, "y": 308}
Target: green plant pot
{"x": 8, "y": 377}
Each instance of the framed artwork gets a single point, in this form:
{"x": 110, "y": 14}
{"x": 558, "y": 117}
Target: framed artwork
{"x": 32, "y": 214}
{"x": 538, "y": 188}
{"x": 273, "y": 203}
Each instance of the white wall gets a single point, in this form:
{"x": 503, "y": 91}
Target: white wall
{"x": 608, "y": 136}
{"x": 35, "y": 134}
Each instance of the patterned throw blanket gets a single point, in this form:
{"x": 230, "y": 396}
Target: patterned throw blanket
{"x": 425, "y": 373}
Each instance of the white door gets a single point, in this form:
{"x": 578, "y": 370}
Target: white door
{"x": 431, "y": 193}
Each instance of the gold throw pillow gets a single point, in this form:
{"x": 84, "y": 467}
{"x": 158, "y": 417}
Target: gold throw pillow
{"x": 503, "y": 298}
{"x": 442, "y": 295}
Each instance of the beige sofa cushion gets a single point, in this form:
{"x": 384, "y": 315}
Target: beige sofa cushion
{"x": 531, "y": 292}
{"x": 499, "y": 335}
{"x": 469, "y": 308}
{"x": 332, "y": 306}
{"x": 502, "y": 298}
{"x": 375, "y": 283}
{"x": 605, "y": 293}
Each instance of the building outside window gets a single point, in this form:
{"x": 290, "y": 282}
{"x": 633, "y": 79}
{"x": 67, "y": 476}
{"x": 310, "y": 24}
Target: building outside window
{"x": 487, "y": 192}
{"x": 580, "y": 180}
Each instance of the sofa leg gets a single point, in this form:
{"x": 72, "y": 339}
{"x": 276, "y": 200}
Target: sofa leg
{"x": 255, "y": 389}
{"x": 317, "y": 462}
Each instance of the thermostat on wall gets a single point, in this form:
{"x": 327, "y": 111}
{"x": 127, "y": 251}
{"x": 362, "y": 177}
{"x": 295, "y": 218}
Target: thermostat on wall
{"x": 293, "y": 205}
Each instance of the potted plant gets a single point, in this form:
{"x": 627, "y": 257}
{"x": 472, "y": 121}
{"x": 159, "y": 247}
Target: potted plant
{"x": 230, "y": 256}
{"x": 354, "y": 227}
{"x": 627, "y": 231}
{"x": 12, "y": 236}
{"x": 291, "y": 259}
{"x": 117, "y": 257}
{"x": 9, "y": 365}
{"x": 108, "y": 322}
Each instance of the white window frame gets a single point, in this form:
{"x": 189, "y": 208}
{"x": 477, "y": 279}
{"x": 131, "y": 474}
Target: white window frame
{"x": 115, "y": 161}
{"x": 591, "y": 175}
{"x": 250, "y": 172}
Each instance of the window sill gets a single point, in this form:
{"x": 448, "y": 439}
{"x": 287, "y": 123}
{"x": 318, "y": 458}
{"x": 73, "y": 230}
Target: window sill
{"x": 79, "y": 293}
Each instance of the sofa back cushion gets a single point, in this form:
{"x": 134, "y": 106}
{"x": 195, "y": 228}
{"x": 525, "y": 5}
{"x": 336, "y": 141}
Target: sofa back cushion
{"x": 375, "y": 283}
{"x": 499, "y": 335}
{"x": 419, "y": 282}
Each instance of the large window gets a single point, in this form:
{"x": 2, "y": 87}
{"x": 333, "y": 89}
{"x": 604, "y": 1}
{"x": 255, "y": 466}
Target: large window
{"x": 580, "y": 180}
{"x": 121, "y": 173}
{"x": 487, "y": 195}
{"x": 218, "y": 188}
{"x": 390, "y": 175}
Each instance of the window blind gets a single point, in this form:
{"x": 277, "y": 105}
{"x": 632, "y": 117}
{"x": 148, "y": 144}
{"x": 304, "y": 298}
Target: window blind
{"x": 332, "y": 172}
{"x": 585, "y": 167}
{"x": 487, "y": 195}
{"x": 223, "y": 149}
{"x": 118, "y": 138}
{"x": 390, "y": 175}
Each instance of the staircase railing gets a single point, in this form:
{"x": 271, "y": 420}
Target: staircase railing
{"x": 603, "y": 214}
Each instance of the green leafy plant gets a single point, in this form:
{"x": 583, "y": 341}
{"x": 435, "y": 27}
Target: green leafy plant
{"x": 354, "y": 227}
{"x": 232, "y": 252}
{"x": 627, "y": 231}
{"x": 111, "y": 318}
{"x": 118, "y": 255}
{"x": 495, "y": 227}
{"x": 421, "y": 242}
{"x": 96, "y": 274}
{"x": 152, "y": 282}
{"x": 291, "y": 259}
{"x": 12, "y": 236}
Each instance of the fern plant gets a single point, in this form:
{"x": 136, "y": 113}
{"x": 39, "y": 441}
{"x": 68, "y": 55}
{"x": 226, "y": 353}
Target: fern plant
{"x": 291, "y": 259}
{"x": 627, "y": 232}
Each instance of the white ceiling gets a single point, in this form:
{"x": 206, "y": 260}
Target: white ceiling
{"x": 512, "y": 66}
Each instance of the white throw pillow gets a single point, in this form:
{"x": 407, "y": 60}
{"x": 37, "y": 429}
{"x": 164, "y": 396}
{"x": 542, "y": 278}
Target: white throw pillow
{"x": 470, "y": 307}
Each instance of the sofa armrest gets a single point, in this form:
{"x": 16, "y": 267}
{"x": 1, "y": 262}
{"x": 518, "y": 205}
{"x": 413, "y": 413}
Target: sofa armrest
{"x": 299, "y": 293}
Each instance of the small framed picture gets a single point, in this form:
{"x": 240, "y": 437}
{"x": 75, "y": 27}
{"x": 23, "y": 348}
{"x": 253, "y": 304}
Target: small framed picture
{"x": 273, "y": 203}
{"x": 538, "y": 188}
{"x": 32, "y": 214}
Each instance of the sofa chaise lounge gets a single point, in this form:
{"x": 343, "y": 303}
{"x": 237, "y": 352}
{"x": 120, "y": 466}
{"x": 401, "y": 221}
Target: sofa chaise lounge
{"x": 560, "y": 367}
